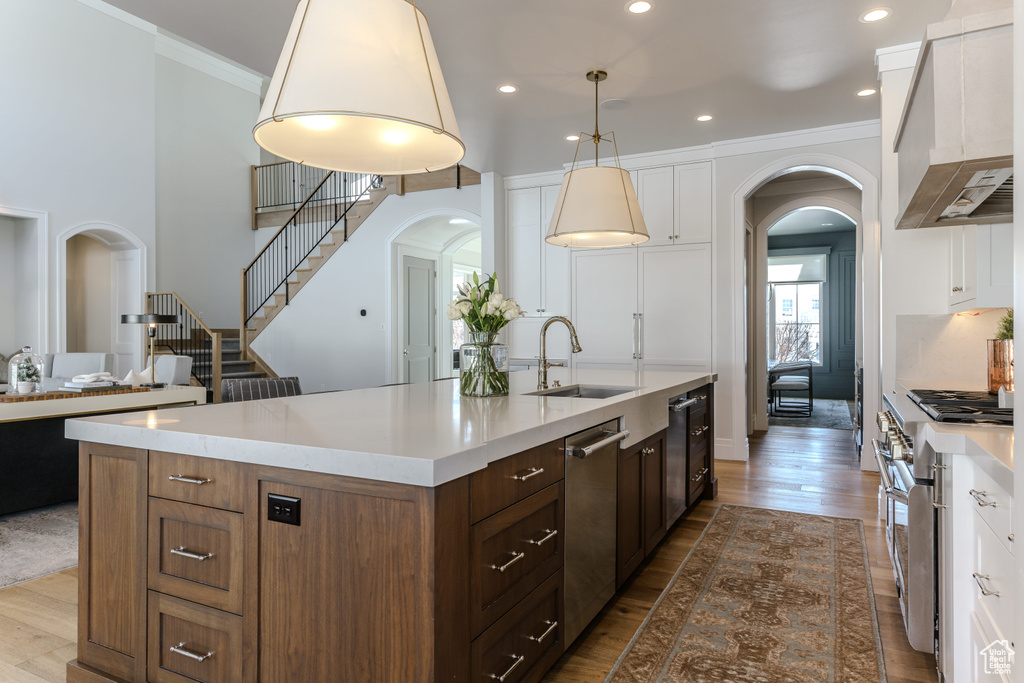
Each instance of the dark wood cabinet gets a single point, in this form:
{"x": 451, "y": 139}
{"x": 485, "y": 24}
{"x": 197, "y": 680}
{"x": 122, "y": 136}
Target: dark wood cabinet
{"x": 640, "y": 499}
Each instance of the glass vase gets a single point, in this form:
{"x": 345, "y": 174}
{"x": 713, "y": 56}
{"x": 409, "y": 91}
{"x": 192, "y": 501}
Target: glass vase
{"x": 483, "y": 365}
{"x": 25, "y": 372}
{"x": 1000, "y": 365}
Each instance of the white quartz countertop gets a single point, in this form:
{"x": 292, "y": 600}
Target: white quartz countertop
{"x": 421, "y": 434}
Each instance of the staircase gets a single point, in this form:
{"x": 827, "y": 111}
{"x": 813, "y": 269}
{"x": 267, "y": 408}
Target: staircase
{"x": 326, "y": 218}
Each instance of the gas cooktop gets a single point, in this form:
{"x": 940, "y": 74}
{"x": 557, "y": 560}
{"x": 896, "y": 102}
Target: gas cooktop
{"x": 933, "y": 396}
{"x": 971, "y": 407}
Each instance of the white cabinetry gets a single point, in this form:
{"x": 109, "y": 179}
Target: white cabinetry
{"x": 693, "y": 202}
{"x": 980, "y": 267}
{"x": 654, "y": 191}
{"x": 538, "y": 275}
{"x": 977, "y": 590}
{"x": 643, "y": 308}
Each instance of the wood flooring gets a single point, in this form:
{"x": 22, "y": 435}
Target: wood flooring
{"x": 802, "y": 470}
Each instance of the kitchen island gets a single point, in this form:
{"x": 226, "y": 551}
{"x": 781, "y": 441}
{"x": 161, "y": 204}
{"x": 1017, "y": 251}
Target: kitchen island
{"x": 393, "y": 534}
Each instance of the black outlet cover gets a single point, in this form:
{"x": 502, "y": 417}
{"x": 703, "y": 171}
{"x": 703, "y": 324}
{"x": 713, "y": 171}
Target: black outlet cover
{"x": 284, "y": 509}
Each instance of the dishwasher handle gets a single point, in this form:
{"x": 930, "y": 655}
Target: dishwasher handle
{"x": 585, "y": 451}
{"x": 686, "y": 403}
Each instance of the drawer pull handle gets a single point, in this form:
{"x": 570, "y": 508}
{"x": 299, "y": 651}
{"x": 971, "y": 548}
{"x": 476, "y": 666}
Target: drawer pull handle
{"x": 700, "y": 475}
{"x": 552, "y": 625}
{"x": 980, "y": 496}
{"x": 532, "y": 472}
{"x": 683, "y": 405}
{"x": 551, "y": 533}
{"x": 180, "y": 550}
{"x": 699, "y": 431}
{"x": 978, "y": 578}
{"x": 180, "y": 649}
{"x": 516, "y": 557}
{"x": 190, "y": 480}
{"x": 519, "y": 660}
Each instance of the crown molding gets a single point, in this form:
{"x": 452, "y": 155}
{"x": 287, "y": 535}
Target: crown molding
{"x": 897, "y": 57}
{"x": 120, "y": 15}
{"x": 190, "y": 55}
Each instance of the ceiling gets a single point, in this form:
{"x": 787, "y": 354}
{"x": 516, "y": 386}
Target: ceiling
{"x": 758, "y": 66}
{"x": 437, "y": 232}
{"x": 809, "y": 220}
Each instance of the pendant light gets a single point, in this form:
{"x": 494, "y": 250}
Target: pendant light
{"x": 597, "y": 205}
{"x": 358, "y": 88}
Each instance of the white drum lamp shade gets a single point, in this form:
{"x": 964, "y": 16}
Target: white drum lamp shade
{"x": 358, "y": 88}
{"x": 597, "y": 207}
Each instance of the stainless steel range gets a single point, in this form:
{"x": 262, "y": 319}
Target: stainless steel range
{"x": 914, "y": 503}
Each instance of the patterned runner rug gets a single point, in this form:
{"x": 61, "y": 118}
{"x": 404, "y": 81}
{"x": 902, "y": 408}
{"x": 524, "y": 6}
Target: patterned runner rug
{"x": 763, "y": 597}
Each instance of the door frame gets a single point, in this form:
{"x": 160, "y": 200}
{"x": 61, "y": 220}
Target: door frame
{"x": 40, "y": 225}
{"x": 115, "y": 238}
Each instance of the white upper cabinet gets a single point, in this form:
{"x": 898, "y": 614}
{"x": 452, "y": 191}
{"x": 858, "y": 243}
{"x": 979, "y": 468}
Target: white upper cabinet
{"x": 693, "y": 203}
{"x": 523, "y": 282}
{"x": 538, "y": 276}
{"x": 980, "y": 267}
{"x": 556, "y": 283}
{"x": 655, "y": 193}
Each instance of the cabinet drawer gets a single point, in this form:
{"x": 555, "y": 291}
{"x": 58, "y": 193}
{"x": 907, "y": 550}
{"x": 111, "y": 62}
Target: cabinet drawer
{"x": 207, "y": 643}
{"x": 524, "y": 644}
{"x": 698, "y": 429}
{"x": 980, "y": 641}
{"x": 993, "y": 567}
{"x": 513, "y": 551}
{"x": 994, "y": 503}
{"x": 511, "y": 479}
{"x": 203, "y": 481}
{"x": 697, "y": 472}
{"x": 196, "y": 553}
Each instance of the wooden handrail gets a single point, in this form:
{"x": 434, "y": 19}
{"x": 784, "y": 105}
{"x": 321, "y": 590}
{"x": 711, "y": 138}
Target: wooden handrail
{"x": 216, "y": 344}
{"x": 186, "y": 307}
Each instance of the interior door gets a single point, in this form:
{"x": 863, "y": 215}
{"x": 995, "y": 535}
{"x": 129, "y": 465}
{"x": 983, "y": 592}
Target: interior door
{"x": 126, "y": 291}
{"x": 418, "y": 319}
{"x": 675, "y": 303}
{"x": 604, "y": 308}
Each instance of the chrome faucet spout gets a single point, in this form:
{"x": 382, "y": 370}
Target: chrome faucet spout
{"x": 542, "y": 368}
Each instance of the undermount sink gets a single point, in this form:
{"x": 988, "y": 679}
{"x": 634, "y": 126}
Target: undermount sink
{"x": 583, "y": 391}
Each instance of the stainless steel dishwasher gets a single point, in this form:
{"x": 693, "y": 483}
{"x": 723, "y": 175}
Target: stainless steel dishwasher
{"x": 591, "y": 466}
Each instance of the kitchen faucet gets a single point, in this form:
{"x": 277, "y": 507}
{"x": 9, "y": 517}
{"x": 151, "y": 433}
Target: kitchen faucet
{"x": 542, "y": 368}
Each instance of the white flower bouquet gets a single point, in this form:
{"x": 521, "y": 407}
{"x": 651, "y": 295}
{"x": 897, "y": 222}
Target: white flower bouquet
{"x": 484, "y": 310}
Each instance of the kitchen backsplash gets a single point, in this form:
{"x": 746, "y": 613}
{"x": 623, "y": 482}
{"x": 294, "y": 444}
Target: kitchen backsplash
{"x": 945, "y": 351}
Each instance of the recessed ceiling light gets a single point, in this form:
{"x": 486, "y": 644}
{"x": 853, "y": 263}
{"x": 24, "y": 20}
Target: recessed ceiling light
{"x": 639, "y": 6}
{"x": 572, "y": 138}
{"x": 827, "y": 225}
{"x": 615, "y": 104}
{"x": 866, "y": 92}
{"x": 458, "y": 221}
{"x": 705, "y": 117}
{"x": 876, "y": 14}
{"x": 508, "y": 88}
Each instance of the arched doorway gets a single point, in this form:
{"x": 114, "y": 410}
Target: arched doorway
{"x": 863, "y": 208}
{"x": 101, "y": 275}
{"x": 428, "y": 257}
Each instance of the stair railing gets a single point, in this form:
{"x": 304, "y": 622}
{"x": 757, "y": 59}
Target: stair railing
{"x": 326, "y": 207}
{"x": 191, "y": 337}
{"x": 283, "y": 185}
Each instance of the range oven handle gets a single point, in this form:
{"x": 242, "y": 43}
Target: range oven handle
{"x": 682, "y": 405}
{"x": 585, "y": 451}
{"x": 890, "y": 490}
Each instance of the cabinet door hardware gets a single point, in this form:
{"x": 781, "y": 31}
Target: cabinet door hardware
{"x": 958, "y": 289}
{"x": 699, "y": 431}
{"x": 682, "y": 405}
{"x": 519, "y": 660}
{"x": 180, "y": 550}
{"x": 532, "y": 472}
{"x": 551, "y": 533}
{"x": 190, "y": 480}
{"x": 552, "y": 625}
{"x": 979, "y": 579}
{"x": 980, "y": 498}
{"x": 181, "y": 650}
{"x": 516, "y": 557}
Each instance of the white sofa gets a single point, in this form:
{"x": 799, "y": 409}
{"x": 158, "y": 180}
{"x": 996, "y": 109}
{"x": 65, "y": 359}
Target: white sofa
{"x": 60, "y": 367}
{"x": 172, "y": 369}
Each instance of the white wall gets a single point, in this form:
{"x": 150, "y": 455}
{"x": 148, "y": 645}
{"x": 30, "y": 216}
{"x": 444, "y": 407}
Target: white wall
{"x": 90, "y": 296}
{"x": 204, "y": 149}
{"x": 320, "y": 336}
{"x": 9, "y": 339}
{"x": 80, "y": 110}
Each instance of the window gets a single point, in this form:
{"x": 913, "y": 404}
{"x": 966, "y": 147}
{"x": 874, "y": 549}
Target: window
{"x": 796, "y": 291}
{"x": 460, "y": 276}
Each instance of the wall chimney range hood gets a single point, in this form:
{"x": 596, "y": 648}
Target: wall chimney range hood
{"x": 955, "y": 139}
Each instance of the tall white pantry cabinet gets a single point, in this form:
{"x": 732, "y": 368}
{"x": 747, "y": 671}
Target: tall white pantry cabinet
{"x": 645, "y": 307}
